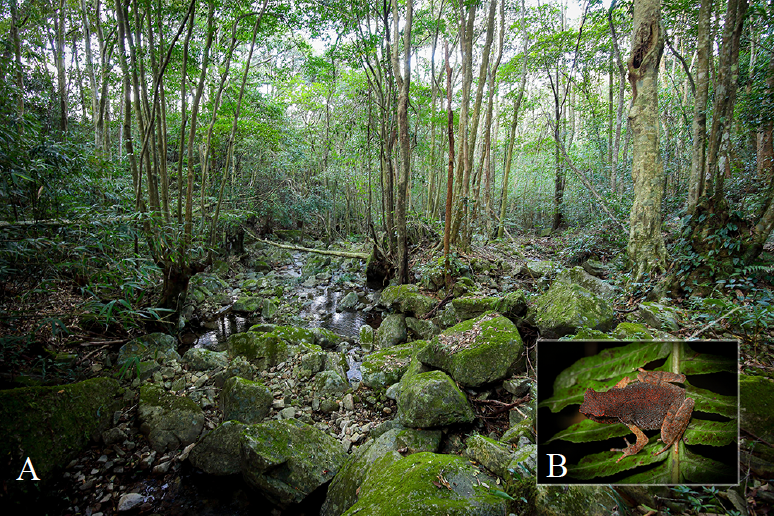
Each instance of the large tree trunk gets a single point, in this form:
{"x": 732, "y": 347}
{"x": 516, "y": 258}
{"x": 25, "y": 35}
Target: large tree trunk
{"x": 646, "y": 243}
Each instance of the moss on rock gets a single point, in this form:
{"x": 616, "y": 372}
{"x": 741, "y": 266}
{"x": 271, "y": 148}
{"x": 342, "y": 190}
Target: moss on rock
{"x": 406, "y": 299}
{"x": 476, "y": 352}
{"x": 264, "y": 350}
{"x": 245, "y": 401}
{"x": 386, "y": 367}
{"x": 567, "y": 307}
{"x": 756, "y": 403}
{"x": 432, "y": 399}
{"x": 168, "y": 421}
{"x": 392, "y": 331}
{"x": 217, "y": 453}
{"x": 154, "y": 346}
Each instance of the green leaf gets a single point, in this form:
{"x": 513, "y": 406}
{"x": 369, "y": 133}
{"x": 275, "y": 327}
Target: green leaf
{"x": 604, "y": 464}
{"x": 705, "y": 364}
{"x": 708, "y": 401}
{"x": 660, "y": 474}
{"x": 589, "y": 431}
{"x": 711, "y": 433}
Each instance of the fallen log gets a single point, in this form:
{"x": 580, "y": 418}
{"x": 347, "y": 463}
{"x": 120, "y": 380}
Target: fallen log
{"x": 341, "y": 254}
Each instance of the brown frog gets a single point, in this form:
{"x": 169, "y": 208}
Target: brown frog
{"x": 649, "y": 404}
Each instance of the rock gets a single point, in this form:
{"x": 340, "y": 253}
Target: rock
{"x": 129, "y": 501}
{"x": 513, "y": 305}
{"x": 595, "y": 267}
{"x": 525, "y": 428}
{"x": 348, "y": 403}
{"x": 248, "y": 304}
{"x": 241, "y": 367}
{"x": 342, "y": 493}
{"x": 386, "y": 367}
{"x": 264, "y": 350}
{"x": 658, "y": 316}
{"x": 408, "y": 485}
{"x": 756, "y": 401}
{"x": 563, "y": 500}
{"x": 154, "y": 346}
{"x": 476, "y": 352}
{"x": 329, "y": 382}
{"x": 349, "y": 301}
{"x": 288, "y": 413}
{"x": 245, "y": 401}
{"x": 520, "y": 386}
{"x": 591, "y": 283}
{"x": 113, "y": 436}
{"x": 538, "y": 269}
{"x": 432, "y": 399}
{"x": 406, "y": 299}
{"x": 204, "y": 359}
{"x": 313, "y": 362}
{"x": 631, "y": 331}
{"x": 294, "y": 336}
{"x": 447, "y": 318}
{"x": 286, "y": 459}
{"x": 269, "y": 308}
{"x": 494, "y": 456}
{"x": 567, "y": 307}
{"x": 325, "y": 338}
{"x": 168, "y": 421}
{"x": 425, "y": 330}
{"x": 366, "y": 334}
{"x": 50, "y": 425}
{"x": 392, "y": 331}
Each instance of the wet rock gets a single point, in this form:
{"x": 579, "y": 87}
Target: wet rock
{"x": 287, "y": 413}
{"x": 158, "y": 347}
{"x": 286, "y": 459}
{"x": 50, "y": 425}
{"x": 314, "y": 362}
{"x": 406, "y": 299}
{"x": 329, "y": 382}
{"x": 386, "y": 367}
{"x": 562, "y": 500}
{"x": 349, "y": 301}
{"x": 129, "y": 501}
{"x": 241, "y": 367}
{"x": 326, "y": 339}
{"x": 248, "y": 304}
{"x": 476, "y": 352}
{"x": 447, "y": 318}
{"x": 218, "y": 453}
{"x": 343, "y": 491}
{"x": 366, "y": 334}
{"x": 513, "y": 305}
{"x": 591, "y": 283}
{"x": 408, "y": 485}
{"x": 264, "y": 350}
{"x": 245, "y": 401}
{"x": 168, "y": 421}
{"x": 425, "y": 330}
{"x": 567, "y": 307}
{"x": 392, "y": 331}
{"x": 432, "y": 399}
{"x": 269, "y": 309}
{"x": 494, "y": 456}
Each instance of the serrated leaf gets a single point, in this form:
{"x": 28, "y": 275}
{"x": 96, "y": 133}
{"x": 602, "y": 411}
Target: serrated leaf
{"x": 589, "y": 431}
{"x": 708, "y": 401}
{"x": 660, "y": 474}
{"x": 711, "y": 433}
{"x": 574, "y": 395}
{"x": 705, "y": 364}
{"x": 604, "y": 464}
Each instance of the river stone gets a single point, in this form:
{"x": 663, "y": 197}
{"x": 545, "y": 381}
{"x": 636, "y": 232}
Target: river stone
{"x": 591, "y": 283}
{"x": 51, "y": 425}
{"x": 349, "y": 301}
{"x": 329, "y": 382}
{"x": 366, "y": 334}
{"x": 241, "y": 367}
{"x": 658, "y": 316}
{"x": 204, "y": 359}
{"x": 269, "y": 308}
{"x": 245, "y": 401}
{"x": 396, "y": 487}
{"x": 432, "y": 399}
{"x": 129, "y": 501}
{"x": 494, "y": 456}
{"x": 563, "y": 500}
{"x": 217, "y": 453}
{"x": 154, "y": 346}
{"x": 286, "y": 459}
{"x": 476, "y": 352}
{"x": 424, "y": 329}
{"x": 567, "y": 307}
{"x": 386, "y": 367}
{"x": 406, "y": 299}
{"x": 313, "y": 362}
{"x": 538, "y": 269}
{"x": 325, "y": 338}
{"x": 169, "y": 421}
{"x": 248, "y": 304}
{"x": 511, "y": 305}
{"x": 264, "y": 350}
{"x": 392, "y": 331}
{"x": 342, "y": 493}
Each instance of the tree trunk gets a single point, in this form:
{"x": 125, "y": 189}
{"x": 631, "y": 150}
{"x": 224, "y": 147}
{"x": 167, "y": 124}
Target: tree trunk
{"x": 646, "y": 243}
{"x": 18, "y": 70}
{"x": 450, "y": 175}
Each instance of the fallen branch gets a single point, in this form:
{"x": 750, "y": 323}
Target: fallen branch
{"x": 712, "y": 323}
{"x": 431, "y": 313}
{"x": 342, "y": 254}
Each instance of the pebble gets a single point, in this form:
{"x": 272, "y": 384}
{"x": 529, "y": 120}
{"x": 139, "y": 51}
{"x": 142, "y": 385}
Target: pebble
{"x": 288, "y": 413}
{"x": 162, "y": 468}
{"x": 348, "y": 403}
{"x": 129, "y": 501}
{"x": 387, "y": 410}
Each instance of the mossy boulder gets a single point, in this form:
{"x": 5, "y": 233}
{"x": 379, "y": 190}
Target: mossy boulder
{"x": 168, "y": 421}
{"x": 245, "y": 401}
{"x": 217, "y": 453}
{"x": 588, "y": 500}
{"x": 591, "y": 283}
{"x": 756, "y": 402}
{"x": 513, "y": 305}
{"x": 154, "y": 346}
{"x": 330, "y": 382}
{"x": 498, "y": 457}
{"x": 476, "y": 352}
{"x": 51, "y": 425}
{"x": 567, "y": 307}
{"x": 204, "y": 285}
{"x": 538, "y": 269}
{"x": 247, "y": 304}
{"x": 264, "y": 350}
{"x": 432, "y": 399}
{"x": 658, "y": 316}
{"x": 631, "y": 331}
{"x": 204, "y": 359}
{"x": 409, "y": 486}
{"x": 343, "y": 491}
{"x": 349, "y": 301}
{"x": 392, "y": 331}
{"x": 286, "y": 459}
{"x": 386, "y": 367}
{"x": 326, "y": 338}
{"x": 425, "y": 330}
{"x": 295, "y": 336}
{"x": 406, "y": 299}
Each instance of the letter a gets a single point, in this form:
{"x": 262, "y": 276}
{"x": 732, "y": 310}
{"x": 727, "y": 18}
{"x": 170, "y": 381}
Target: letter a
{"x": 28, "y": 463}
{"x": 551, "y": 464}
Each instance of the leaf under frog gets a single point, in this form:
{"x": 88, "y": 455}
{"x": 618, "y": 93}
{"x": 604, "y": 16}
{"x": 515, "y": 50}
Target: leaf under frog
{"x": 705, "y": 363}
{"x": 708, "y": 401}
{"x": 711, "y": 433}
{"x": 589, "y": 431}
{"x": 604, "y": 464}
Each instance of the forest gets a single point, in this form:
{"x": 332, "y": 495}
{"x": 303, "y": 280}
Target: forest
{"x": 222, "y": 221}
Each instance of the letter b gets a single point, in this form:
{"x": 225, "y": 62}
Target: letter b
{"x": 551, "y": 464}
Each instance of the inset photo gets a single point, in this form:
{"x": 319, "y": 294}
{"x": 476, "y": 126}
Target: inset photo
{"x": 637, "y": 412}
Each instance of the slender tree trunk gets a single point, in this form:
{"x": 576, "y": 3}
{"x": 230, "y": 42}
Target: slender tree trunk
{"x": 703, "y": 49}
{"x": 59, "y": 56}
{"x": 450, "y": 174}
{"x": 18, "y": 70}
{"x": 646, "y": 243}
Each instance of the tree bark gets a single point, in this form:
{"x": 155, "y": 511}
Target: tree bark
{"x": 450, "y": 175}
{"x": 646, "y": 243}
